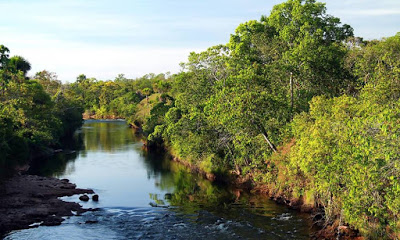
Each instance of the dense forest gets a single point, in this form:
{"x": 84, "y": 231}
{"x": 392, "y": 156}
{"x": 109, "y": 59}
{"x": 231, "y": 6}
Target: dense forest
{"x": 293, "y": 102}
{"x": 35, "y": 113}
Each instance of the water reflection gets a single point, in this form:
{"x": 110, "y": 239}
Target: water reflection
{"x": 107, "y": 136}
{"x": 56, "y": 165}
{"x": 244, "y": 214}
{"x": 146, "y": 195}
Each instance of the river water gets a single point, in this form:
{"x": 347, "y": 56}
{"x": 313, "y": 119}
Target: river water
{"x": 147, "y": 196}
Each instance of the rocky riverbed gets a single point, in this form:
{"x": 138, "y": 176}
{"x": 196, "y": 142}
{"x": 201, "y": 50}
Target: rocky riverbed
{"x": 27, "y": 201}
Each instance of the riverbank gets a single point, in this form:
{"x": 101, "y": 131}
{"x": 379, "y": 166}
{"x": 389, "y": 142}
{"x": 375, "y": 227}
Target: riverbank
{"x": 91, "y": 116}
{"x": 26, "y": 200}
{"x": 321, "y": 230}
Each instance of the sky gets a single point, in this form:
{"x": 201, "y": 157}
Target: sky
{"x": 104, "y": 38}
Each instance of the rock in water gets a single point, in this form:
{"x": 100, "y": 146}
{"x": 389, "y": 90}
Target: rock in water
{"x": 91, "y": 222}
{"x": 84, "y": 198}
{"x": 95, "y": 198}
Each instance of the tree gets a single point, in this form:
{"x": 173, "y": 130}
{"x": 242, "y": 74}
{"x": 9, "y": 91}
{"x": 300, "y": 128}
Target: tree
{"x": 81, "y": 78}
{"x": 18, "y": 63}
{"x": 312, "y": 47}
{"x": 49, "y": 81}
{"x": 4, "y": 56}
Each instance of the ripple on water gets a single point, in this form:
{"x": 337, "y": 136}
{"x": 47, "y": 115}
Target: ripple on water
{"x": 150, "y": 223}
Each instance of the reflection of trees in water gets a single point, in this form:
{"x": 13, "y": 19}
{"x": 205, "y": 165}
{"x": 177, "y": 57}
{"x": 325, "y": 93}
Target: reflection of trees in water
{"x": 207, "y": 202}
{"x": 94, "y": 135}
{"x": 56, "y": 165}
{"x": 192, "y": 190}
{"x": 107, "y": 136}
{"x": 189, "y": 190}
{"x": 157, "y": 165}
{"x": 193, "y": 193}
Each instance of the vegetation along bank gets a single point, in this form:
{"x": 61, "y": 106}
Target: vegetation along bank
{"x": 293, "y": 103}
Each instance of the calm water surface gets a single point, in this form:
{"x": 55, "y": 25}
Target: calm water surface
{"x": 146, "y": 196}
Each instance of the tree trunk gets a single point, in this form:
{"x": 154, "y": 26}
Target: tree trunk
{"x": 265, "y": 135}
{"x": 272, "y": 146}
{"x": 291, "y": 96}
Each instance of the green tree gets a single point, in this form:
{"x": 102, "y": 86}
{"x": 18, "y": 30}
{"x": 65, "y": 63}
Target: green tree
{"x": 4, "y": 56}
{"x": 18, "y": 63}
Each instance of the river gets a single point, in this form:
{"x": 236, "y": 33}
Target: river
{"x": 147, "y": 196}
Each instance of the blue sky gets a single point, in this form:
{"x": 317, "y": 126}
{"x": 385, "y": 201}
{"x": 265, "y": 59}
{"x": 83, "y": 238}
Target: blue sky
{"x": 102, "y": 38}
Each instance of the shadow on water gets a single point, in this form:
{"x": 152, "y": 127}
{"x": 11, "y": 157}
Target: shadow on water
{"x": 56, "y": 165}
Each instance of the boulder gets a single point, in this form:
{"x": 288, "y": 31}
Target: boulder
{"x": 84, "y": 198}
{"x": 95, "y": 198}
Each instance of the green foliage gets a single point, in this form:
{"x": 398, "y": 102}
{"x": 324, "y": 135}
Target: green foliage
{"x": 120, "y": 98}
{"x": 234, "y": 103}
{"x": 34, "y": 114}
{"x": 293, "y": 101}
{"x": 18, "y": 63}
{"x": 156, "y": 117}
{"x": 234, "y": 100}
{"x": 4, "y": 56}
{"x": 349, "y": 147}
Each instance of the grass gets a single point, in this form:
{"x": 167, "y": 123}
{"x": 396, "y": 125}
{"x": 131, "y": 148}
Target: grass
{"x": 144, "y": 107}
